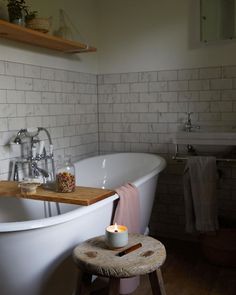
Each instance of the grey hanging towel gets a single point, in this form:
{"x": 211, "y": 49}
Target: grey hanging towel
{"x": 200, "y": 176}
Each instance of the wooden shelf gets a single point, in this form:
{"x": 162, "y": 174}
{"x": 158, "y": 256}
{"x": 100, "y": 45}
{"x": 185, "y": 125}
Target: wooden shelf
{"x": 81, "y": 196}
{"x": 18, "y": 33}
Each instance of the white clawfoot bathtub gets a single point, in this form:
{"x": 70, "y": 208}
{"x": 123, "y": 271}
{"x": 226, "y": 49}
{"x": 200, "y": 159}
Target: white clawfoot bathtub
{"x": 35, "y": 249}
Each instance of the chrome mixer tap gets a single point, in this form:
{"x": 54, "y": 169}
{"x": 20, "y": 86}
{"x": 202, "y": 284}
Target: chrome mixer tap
{"x": 188, "y": 126}
{"x": 37, "y": 155}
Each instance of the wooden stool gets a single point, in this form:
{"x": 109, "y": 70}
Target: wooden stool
{"x": 94, "y": 258}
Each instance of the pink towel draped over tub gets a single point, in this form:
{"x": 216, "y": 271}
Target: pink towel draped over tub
{"x": 128, "y": 213}
{"x": 128, "y": 208}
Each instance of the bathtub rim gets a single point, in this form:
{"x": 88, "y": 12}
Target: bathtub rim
{"x": 7, "y": 227}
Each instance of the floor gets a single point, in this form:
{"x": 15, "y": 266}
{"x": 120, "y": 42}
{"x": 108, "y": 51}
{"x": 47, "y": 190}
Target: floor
{"x": 186, "y": 272}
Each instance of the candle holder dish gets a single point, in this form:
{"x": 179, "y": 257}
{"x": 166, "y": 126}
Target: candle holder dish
{"x": 28, "y": 188}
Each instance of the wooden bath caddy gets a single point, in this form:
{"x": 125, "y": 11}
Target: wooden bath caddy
{"x": 81, "y": 196}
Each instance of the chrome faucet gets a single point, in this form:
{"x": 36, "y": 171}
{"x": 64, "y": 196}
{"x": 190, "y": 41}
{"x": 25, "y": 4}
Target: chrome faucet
{"x": 188, "y": 126}
{"x": 35, "y": 158}
{"x": 36, "y": 170}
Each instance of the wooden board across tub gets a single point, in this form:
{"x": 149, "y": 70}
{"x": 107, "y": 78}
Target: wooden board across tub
{"x": 81, "y": 196}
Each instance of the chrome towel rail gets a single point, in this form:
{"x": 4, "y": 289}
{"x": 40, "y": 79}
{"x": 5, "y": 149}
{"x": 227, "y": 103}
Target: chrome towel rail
{"x": 191, "y": 149}
{"x": 177, "y": 158}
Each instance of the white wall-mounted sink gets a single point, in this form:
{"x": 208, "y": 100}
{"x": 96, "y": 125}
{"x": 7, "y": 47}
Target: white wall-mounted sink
{"x": 205, "y": 138}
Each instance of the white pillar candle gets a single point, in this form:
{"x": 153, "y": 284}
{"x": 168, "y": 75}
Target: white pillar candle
{"x": 116, "y": 236}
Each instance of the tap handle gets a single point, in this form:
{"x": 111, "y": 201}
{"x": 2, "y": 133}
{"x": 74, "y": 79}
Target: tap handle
{"x": 189, "y": 115}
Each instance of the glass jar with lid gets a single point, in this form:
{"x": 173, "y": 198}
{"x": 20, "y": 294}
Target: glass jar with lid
{"x": 66, "y": 177}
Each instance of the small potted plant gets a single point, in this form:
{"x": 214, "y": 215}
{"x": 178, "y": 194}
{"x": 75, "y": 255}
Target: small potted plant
{"x": 17, "y": 10}
{"x": 30, "y": 15}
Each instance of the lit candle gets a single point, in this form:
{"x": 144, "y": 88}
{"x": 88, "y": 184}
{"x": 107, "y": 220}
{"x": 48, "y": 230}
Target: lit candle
{"x": 116, "y": 236}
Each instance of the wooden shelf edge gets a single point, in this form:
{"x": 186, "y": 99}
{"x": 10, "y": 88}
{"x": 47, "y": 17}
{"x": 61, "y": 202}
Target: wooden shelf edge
{"x": 21, "y": 34}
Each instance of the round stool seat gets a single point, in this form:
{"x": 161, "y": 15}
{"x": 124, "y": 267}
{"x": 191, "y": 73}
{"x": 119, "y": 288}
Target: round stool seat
{"x": 93, "y": 256}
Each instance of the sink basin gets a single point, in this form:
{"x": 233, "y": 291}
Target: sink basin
{"x": 205, "y": 138}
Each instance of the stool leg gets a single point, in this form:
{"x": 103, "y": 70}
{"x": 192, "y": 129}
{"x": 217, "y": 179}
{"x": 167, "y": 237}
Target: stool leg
{"x": 157, "y": 283}
{"x": 114, "y": 286}
{"x": 83, "y": 283}
{"x": 161, "y": 282}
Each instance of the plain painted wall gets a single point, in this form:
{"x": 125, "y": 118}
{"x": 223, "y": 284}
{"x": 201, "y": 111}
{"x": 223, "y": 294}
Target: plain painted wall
{"x": 133, "y": 35}
{"x": 146, "y": 35}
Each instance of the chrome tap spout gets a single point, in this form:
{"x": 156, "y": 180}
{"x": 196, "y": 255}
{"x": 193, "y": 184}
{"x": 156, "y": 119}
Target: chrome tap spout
{"x": 188, "y": 126}
{"x": 36, "y": 171}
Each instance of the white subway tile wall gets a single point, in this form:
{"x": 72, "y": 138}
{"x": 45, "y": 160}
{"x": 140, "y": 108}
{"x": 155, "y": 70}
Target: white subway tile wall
{"x": 62, "y": 101}
{"x": 138, "y": 112}
{"x": 154, "y": 106}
